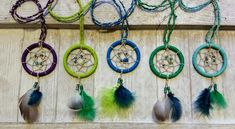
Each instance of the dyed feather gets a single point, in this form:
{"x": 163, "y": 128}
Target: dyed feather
{"x": 87, "y": 111}
{"x": 123, "y": 97}
{"x": 28, "y": 104}
{"x": 162, "y": 108}
{"x": 35, "y": 97}
{"x": 176, "y": 107}
{"x": 203, "y": 103}
{"x": 217, "y": 98}
{"x": 108, "y": 105}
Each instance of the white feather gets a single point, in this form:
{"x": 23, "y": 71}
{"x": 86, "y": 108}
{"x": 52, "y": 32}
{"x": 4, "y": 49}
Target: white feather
{"x": 162, "y": 109}
{"x": 75, "y": 103}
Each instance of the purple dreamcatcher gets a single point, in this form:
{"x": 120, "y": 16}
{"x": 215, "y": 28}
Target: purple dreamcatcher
{"x": 39, "y": 59}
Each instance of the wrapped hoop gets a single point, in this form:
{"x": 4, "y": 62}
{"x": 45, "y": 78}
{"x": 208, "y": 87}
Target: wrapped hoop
{"x": 179, "y": 63}
{"x": 123, "y": 58}
{"x": 79, "y": 60}
{"x": 210, "y": 58}
{"x": 39, "y": 59}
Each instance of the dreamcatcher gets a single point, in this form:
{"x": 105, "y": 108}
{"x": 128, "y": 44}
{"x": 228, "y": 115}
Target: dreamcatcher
{"x": 39, "y": 59}
{"x": 123, "y": 56}
{"x": 166, "y": 62}
{"x": 80, "y": 61}
{"x": 210, "y": 61}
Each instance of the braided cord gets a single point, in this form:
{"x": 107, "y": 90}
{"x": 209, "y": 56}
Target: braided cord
{"x": 37, "y": 17}
{"x": 125, "y": 24}
{"x": 74, "y": 17}
{"x": 158, "y": 8}
{"x": 195, "y": 8}
{"x": 82, "y": 35}
{"x": 27, "y": 19}
{"x": 122, "y": 12}
{"x": 171, "y": 23}
{"x": 211, "y": 34}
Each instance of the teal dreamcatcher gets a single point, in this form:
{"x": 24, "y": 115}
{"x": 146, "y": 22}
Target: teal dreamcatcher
{"x": 210, "y": 61}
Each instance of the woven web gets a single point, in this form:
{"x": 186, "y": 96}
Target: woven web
{"x": 39, "y": 59}
{"x": 123, "y": 56}
{"x": 80, "y": 61}
{"x": 210, "y": 60}
{"x": 167, "y": 62}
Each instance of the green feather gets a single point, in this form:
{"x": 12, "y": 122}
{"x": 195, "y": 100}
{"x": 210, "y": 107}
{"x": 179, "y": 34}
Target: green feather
{"x": 108, "y": 105}
{"x": 217, "y": 98}
{"x": 87, "y": 111}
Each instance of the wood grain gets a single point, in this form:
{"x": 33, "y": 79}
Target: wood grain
{"x": 59, "y": 86}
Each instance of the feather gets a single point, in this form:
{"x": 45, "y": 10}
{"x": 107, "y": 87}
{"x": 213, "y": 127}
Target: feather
{"x": 35, "y": 97}
{"x": 217, "y": 98}
{"x": 176, "y": 107}
{"x": 29, "y": 102}
{"x": 123, "y": 97}
{"x": 75, "y": 103}
{"x": 108, "y": 105}
{"x": 162, "y": 108}
{"x": 87, "y": 111}
{"x": 203, "y": 103}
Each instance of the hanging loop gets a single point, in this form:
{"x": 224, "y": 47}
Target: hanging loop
{"x": 211, "y": 34}
{"x": 171, "y": 24}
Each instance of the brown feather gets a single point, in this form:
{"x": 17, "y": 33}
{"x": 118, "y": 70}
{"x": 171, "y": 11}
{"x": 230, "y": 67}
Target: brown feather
{"x": 29, "y": 113}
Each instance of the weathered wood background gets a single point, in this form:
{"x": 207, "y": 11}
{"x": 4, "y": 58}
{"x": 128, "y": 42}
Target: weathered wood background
{"x": 57, "y": 87}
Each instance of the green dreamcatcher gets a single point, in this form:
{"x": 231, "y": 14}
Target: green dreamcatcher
{"x": 210, "y": 61}
{"x": 167, "y": 62}
{"x": 80, "y": 61}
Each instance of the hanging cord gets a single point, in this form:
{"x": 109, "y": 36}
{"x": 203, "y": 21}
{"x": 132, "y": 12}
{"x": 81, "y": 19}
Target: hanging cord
{"x": 195, "y": 8}
{"x": 28, "y": 19}
{"x": 74, "y": 17}
{"x": 52, "y": 6}
{"x": 37, "y": 17}
{"x": 125, "y": 25}
{"x": 125, "y": 30}
{"x": 171, "y": 23}
{"x": 82, "y": 35}
{"x": 211, "y": 34}
{"x": 157, "y": 8}
{"x": 123, "y": 13}
{"x": 43, "y": 34}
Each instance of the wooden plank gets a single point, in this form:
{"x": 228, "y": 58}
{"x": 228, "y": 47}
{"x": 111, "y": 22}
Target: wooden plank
{"x": 140, "y": 18}
{"x": 144, "y": 82}
{"x": 116, "y": 126}
{"x": 10, "y": 69}
{"x": 58, "y": 86}
{"x": 227, "y": 42}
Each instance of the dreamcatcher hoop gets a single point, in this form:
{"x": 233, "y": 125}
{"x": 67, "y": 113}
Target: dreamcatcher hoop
{"x": 200, "y": 70}
{"x": 27, "y": 52}
{"x": 83, "y": 47}
{"x": 160, "y": 74}
{"x": 131, "y": 45}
